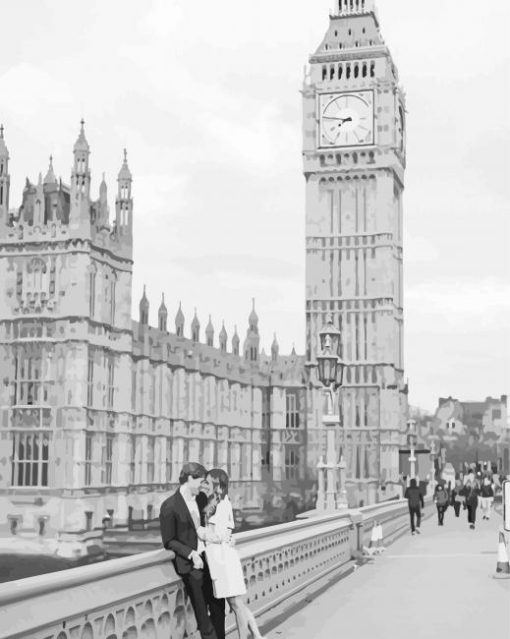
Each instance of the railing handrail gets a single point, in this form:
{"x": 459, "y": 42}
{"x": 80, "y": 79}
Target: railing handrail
{"x": 249, "y": 543}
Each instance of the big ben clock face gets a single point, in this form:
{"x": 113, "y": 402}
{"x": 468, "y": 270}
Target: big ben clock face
{"x": 346, "y": 119}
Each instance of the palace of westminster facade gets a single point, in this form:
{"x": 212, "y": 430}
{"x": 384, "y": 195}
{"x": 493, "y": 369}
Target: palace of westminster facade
{"x": 98, "y": 411}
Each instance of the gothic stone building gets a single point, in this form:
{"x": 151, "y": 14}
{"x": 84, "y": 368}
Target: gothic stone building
{"x": 97, "y": 411}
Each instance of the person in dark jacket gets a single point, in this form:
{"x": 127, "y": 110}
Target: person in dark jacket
{"x": 458, "y": 497}
{"x": 486, "y": 497}
{"x": 472, "y": 503}
{"x": 441, "y": 499}
{"x": 415, "y": 503}
{"x": 179, "y": 519}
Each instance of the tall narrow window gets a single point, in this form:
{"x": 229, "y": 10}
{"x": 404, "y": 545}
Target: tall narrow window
{"x": 90, "y": 378}
{"x": 133, "y": 389}
{"x": 111, "y": 379}
{"x": 150, "y": 459}
{"x": 168, "y": 462}
{"x": 88, "y": 459}
{"x": 92, "y": 300}
{"x": 108, "y": 460}
{"x": 357, "y": 337}
{"x": 292, "y": 413}
{"x": 132, "y": 463}
{"x": 113, "y": 290}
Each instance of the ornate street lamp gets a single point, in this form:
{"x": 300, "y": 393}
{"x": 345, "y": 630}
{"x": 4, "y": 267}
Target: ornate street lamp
{"x": 330, "y": 373}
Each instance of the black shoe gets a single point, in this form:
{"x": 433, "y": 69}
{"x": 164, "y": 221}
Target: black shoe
{"x": 418, "y": 531}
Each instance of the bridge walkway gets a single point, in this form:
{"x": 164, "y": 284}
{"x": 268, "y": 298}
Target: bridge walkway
{"x": 437, "y": 584}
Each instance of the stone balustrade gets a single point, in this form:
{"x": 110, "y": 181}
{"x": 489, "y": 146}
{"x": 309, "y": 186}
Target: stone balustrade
{"x": 141, "y": 596}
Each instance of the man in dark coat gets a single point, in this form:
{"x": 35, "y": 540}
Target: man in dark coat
{"x": 415, "y": 503}
{"x": 179, "y": 519}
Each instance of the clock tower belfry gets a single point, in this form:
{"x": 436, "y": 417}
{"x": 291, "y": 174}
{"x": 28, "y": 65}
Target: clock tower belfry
{"x": 354, "y": 161}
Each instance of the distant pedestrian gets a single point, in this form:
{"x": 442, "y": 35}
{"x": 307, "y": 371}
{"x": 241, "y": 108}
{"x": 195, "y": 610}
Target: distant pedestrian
{"x": 472, "y": 503}
{"x": 441, "y": 500}
{"x": 486, "y": 498}
{"x": 415, "y": 503}
{"x": 457, "y": 498}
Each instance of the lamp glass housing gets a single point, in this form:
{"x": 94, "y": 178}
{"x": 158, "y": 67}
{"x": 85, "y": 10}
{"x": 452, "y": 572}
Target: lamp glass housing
{"x": 330, "y": 336}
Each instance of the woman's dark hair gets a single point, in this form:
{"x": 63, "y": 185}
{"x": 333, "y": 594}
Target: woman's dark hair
{"x": 220, "y": 490}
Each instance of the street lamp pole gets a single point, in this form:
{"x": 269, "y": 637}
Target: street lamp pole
{"x": 330, "y": 372}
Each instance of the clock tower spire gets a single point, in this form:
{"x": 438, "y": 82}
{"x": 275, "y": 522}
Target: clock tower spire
{"x": 354, "y": 161}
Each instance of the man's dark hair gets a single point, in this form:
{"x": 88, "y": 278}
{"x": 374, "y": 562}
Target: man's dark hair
{"x": 413, "y": 483}
{"x": 191, "y": 469}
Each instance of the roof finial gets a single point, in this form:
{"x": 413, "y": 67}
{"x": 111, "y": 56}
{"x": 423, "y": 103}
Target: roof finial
{"x": 1, "y": 130}
{"x": 125, "y": 155}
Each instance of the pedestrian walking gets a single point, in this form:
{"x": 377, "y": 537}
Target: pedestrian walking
{"x": 486, "y": 497}
{"x": 472, "y": 503}
{"x": 415, "y": 503}
{"x": 457, "y": 499}
{"x": 441, "y": 500}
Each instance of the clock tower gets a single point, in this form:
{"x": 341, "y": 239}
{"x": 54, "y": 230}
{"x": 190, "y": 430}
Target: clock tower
{"x": 354, "y": 162}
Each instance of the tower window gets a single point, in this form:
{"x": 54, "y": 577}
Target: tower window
{"x": 331, "y": 72}
{"x": 324, "y": 72}
{"x": 348, "y": 71}
{"x": 356, "y": 70}
{"x": 364, "y": 70}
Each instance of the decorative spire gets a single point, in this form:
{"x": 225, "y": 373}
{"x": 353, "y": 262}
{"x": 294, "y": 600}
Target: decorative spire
{"x": 81, "y": 143}
{"x": 235, "y": 342}
{"x": 275, "y": 349}
{"x": 195, "y": 328}
{"x": 223, "y": 332}
{"x": 125, "y": 173}
{"x": 102, "y": 187}
{"x": 179, "y": 322}
{"x": 144, "y": 308}
{"x": 163, "y": 314}
{"x": 4, "y": 153}
{"x": 50, "y": 175}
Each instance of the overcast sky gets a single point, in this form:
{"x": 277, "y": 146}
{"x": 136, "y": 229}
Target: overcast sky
{"x": 205, "y": 96}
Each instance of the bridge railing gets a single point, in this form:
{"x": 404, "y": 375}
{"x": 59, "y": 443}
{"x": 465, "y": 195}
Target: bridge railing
{"x": 141, "y": 596}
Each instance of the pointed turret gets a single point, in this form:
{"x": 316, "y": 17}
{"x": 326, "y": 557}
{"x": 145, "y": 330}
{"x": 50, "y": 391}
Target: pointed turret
{"x": 253, "y": 319}
{"x": 162, "y": 315}
{"x": 209, "y": 333}
{"x": 81, "y": 173}
{"x": 195, "y": 328}
{"x": 179, "y": 322}
{"x": 103, "y": 219}
{"x": 4, "y": 179}
{"x": 252, "y": 341}
{"x": 275, "y": 349}
{"x": 39, "y": 203}
{"x": 124, "y": 201}
{"x": 223, "y": 339}
{"x": 50, "y": 177}
{"x": 144, "y": 309}
{"x": 235, "y": 342}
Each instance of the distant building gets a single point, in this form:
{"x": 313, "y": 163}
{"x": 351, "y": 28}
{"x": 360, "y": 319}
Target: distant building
{"x": 483, "y": 421}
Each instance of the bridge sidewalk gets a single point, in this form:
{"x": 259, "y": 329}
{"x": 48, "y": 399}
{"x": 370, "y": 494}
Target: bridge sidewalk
{"x": 437, "y": 584}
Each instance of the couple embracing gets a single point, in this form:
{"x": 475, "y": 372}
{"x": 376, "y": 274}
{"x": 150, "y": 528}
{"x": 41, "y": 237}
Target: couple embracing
{"x": 196, "y": 524}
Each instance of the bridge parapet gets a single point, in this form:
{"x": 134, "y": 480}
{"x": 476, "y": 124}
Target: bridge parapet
{"x": 141, "y": 596}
